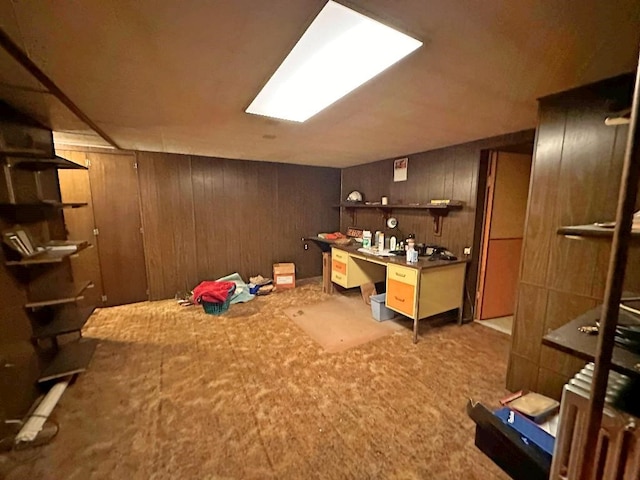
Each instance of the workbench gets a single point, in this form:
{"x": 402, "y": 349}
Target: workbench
{"x": 416, "y": 290}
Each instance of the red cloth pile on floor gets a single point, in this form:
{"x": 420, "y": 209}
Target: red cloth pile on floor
{"x": 212, "y": 291}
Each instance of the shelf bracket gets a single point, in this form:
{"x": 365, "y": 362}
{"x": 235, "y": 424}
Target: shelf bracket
{"x": 437, "y": 221}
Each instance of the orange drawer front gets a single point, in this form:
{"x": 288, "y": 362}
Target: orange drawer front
{"x": 339, "y": 267}
{"x": 400, "y": 297}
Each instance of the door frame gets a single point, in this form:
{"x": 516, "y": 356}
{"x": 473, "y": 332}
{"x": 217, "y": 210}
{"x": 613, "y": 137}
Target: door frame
{"x": 486, "y": 230}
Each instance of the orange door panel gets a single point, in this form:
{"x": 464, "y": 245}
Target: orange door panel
{"x": 400, "y": 297}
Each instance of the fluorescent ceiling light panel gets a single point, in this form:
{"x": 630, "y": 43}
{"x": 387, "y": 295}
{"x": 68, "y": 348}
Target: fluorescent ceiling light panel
{"x": 340, "y": 51}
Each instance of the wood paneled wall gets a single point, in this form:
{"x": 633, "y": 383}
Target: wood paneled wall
{"x": 575, "y": 180}
{"x": 457, "y": 173}
{"x": 204, "y": 218}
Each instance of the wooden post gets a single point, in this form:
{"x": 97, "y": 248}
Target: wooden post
{"x": 327, "y": 285}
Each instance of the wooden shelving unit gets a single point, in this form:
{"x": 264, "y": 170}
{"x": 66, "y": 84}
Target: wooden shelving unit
{"x": 32, "y": 192}
{"x": 66, "y": 293}
{"x": 602, "y": 348}
{"x": 70, "y": 358}
{"x": 67, "y": 319}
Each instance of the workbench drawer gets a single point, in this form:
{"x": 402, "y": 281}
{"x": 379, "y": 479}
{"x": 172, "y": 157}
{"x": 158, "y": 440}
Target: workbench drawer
{"x": 402, "y": 274}
{"x": 339, "y": 255}
{"x": 401, "y": 297}
{"x": 339, "y": 267}
{"x": 339, "y": 278}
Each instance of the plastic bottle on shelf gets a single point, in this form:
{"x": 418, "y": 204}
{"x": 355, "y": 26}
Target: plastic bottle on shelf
{"x": 366, "y": 239}
{"x": 412, "y": 254}
{"x": 380, "y": 242}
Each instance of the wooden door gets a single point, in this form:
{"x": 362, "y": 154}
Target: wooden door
{"x": 507, "y": 193}
{"x": 116, "y": 209}
{"x": 79, "y": 222}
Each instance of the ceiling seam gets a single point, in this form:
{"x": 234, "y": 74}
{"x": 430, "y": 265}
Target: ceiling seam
{"x": 23, "y": 59}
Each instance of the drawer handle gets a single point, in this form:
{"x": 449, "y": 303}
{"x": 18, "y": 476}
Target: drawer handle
{"x": 399, "y": 299}
{"x": 401, "y": 274}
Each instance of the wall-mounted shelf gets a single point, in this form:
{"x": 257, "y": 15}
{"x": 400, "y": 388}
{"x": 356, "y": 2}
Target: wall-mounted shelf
{"x": 437, "y": 210}
{"x": 65, "y": 319}
{"x": 44, "y": 203}
{"x": 65, "y": 293}
{"x": 39, "y": 164}
{"x": 453, "y": 205}
{"x": 569, "y": 339}
{"x": 71, "y": 358}
{"x": 593, "y": 231}
{"x": 49, "y": 256}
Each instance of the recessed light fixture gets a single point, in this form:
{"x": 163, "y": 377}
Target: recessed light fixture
{"x": 340, "y": 51}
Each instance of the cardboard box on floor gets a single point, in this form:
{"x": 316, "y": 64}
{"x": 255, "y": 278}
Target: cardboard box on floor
{"x": 284, "y": 275}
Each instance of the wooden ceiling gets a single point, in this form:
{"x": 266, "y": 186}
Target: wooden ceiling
{"x": 174, "y": 76}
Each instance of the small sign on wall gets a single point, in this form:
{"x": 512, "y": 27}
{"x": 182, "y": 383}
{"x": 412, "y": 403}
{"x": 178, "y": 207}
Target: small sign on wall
{"x": 400, "y": 169}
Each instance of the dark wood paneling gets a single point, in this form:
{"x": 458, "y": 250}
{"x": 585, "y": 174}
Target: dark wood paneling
{"x": 116, "y": 209}
{"x": 79, "y": 223}
{"x": 522, "y": 374}
{"x": 213, "y": 219}
{"x": 584, "y": 194}
{"x": 527, "y": 329}
{"x": 550, "y": 383}
{"x": 169, "y": 225}
{"x": 233, "y": 216}
{"x": 543, "y": 191}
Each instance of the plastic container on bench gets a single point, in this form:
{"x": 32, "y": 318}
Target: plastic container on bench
{"x": 218, "y": 308}
{"x": 379, "y": 309}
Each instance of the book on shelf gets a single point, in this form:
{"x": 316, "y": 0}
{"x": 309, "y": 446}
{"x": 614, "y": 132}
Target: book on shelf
{"x": 19, "y": 240}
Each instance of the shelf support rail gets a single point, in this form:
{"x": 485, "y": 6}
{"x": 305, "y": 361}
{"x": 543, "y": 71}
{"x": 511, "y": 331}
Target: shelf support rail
{"x": 613, "y": 292}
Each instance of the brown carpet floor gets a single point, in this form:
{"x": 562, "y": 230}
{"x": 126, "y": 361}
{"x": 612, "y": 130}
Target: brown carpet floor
{"x": 173, "y": 393}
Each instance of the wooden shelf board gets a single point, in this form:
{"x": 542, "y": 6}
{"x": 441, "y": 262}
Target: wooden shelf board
{"x": 454, "y": 205}
{"x": 568, "y": 339}
{"x": 45, "y": 203}
{"x": 70, "y": 318}
{"x": 71, "y": 358}
{"x": 592, "y": 231}
{"x": 56, "y": 256}
{"x": 38, "y": 164}
{"x": 65, "y": 293}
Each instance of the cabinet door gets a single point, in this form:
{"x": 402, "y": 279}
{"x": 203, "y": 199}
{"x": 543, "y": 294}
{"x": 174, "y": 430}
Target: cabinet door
{"x": 79, "y": 222}
{"x": 116, "y": 208}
